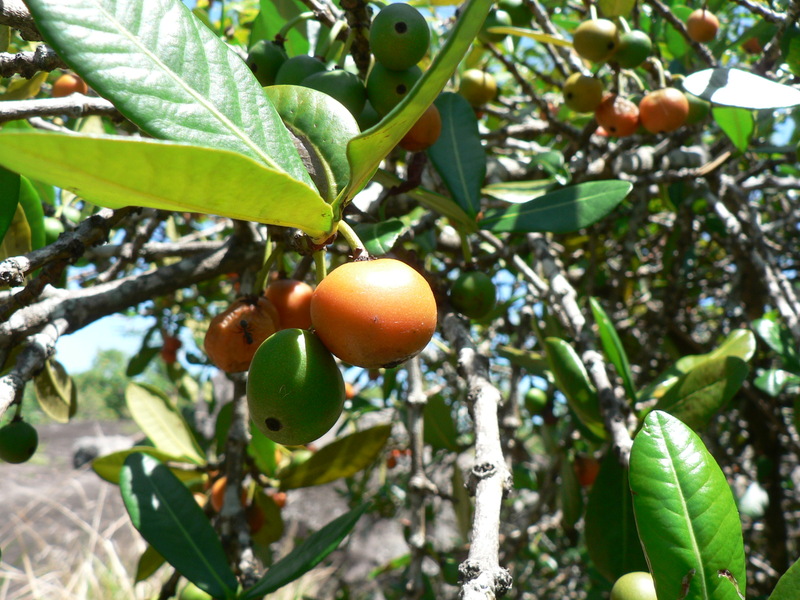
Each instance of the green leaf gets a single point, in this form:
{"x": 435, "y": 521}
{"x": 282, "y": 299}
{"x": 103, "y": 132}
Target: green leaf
{"x": 616, "y": 8}
{"x": 380, "y": 238}
{"x": 570, "y": 496}
{"x": 534, "y": 363}
{"x": 737, "y": 123}
{"x": 788, "y": 584}
{"x": 458, "y": 155}
{"x": 685, "y": 512}
{"x": 366, "y": 151}
{"x": 779, "y": 339}
{"x": 342, "y": 458}
{"x": 702, "y": 392}
{"x": 32, "y": 205}
{"x": 462, "y": 504}
{"x": 168, "y": 73}
{"x": 734, "y": 87}
{"x": 676, "y": 43}
{"x": 273, "y": 15}
{"x": 160, "y": 422}
{"x": 109, "y": 467}
{"x": 439, "y": 429}
{"x": 552, "y": 163}
{"x": 139, "y": 361}
{"x": 573, "y": 381}
{"x": 115, "y": 172}
{"x": 262, "y": 450}
{"x": 149, "y": 562}
{"x": 168, "y": 517}
{"x": 324, "y": 127}
{"x": 613, "y": 347}
{"x": 17, "y": 239}
{"x": 562, "y": 211}
{"x": 518, "y": 192}
{"x": 773, "y": 381}
{"x": 307, "y": 555}
{"x": 611, "y": 537}
{"x": 56, "y": 392}
{"x": 273, "y": 527}
{"x": 9, "y": 198}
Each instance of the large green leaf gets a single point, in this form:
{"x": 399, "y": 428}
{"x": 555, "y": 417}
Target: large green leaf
{"x": 271, "y": 18}
{"x": 562, "y": 211}
{"x": 702, "y": 392}
{"x": 458, "y": 155}
{"x": 168, "y": 73}
{"x": 115, "y": 172}
{"x": 342, "y": 458}
{"x": 613, "y": 347}
{"x": 160, "y": 422}
{"x": 518, "y": 192}
{"x": 31, "y": 203}
{"x": 307, "y": 555}
{"x": 168, "y": 517}
{"x": 737, "y": 123}
{"x": 779, "y": 339}
{"x": 109, "y": 467}
{"x": 611, "y": 537}
{"x": 56, "y": 392}
{"x": 788, "y": 584}
{"x": 366, "y": 151}
{"x": 9, "y": 198}
{"x": 324, "y": 127}
{"x": 685, "y": 513}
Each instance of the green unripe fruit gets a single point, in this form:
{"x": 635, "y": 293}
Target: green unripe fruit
{"x": 295, "y": 390}
{"x": 634, "y": 586}
{"x": 71, "y": 214}
{"x": 633, "y": 49}
{"x": 297, "y": 68}
{"x": 192, "y": 592}
{"x": 386, "y": 88}
{"x": 18, "y": 442}
{"x": 399, "y": 36}
{"x": 478, "y": 87}
{"x": 264, "y": 60}
{"x": 520, "y": 14}
{"x": 368, "y": 118}
{"x": 582, "y": 93}
{"x": 535, "y": 400}
{"x": 596, "y": 39}
{"x": 340, "y": 85}
{"x": 496, "y": 18}
{"x": 473, "y": 294}
{"x": 699, "y": 109}
{"x": 52, "y": 229}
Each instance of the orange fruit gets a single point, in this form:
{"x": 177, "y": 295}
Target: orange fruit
{"x": 617, "y": 115}
{"x": 424, "y": 133}
{"x": 234, "y": 335}
{"x": 702, "y": 25}
{"x": 292, "y": 299}
{"x": 68, "y": 84}
{"x": 664, "y": 110}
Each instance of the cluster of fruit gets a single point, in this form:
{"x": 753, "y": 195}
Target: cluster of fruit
{"x": 659, "y": 111}
{"x": 368, "y": 313}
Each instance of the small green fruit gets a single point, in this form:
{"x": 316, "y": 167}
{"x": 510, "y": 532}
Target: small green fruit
{"x": 297, "y": 68}
{"x": 18, "y": 442}
{"x": 473, "y": 294}
{"x": 368, "y": 118}
{"x": 633, "y": 49}
{"x": 477, "y": 86}
{"x": 399, "y": 36}
{"x": 637, "y": 585}
{"x": 340, "y": 85}
{"x": 264, "y": 60}
{"x": 386, "y": 88}
{"x": 596, "y": 40}
{"x": 496, "y": 18}
{"x": 192, "y": 592}
{"x": 582, "y": 93}
{"x": 520, "y": 14}
{"x": 535, "y": 400}
{"x": 52, "y": 229}
{"x": 295, "y": 390}
{"x": 699, "y": 109}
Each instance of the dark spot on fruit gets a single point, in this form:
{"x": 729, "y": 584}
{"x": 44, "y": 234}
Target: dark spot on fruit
{"x": 401, "y": 89}
{"x": 401, "y": 27}
{"x": 273, "y": 424}
{"x": 253, "y": 67}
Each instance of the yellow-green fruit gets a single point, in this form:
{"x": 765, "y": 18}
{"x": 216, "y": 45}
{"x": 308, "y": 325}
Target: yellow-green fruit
{"x": 18, "y": 442}
{"x": 295, "y": 390}
{"x": 582, "y": 93}
{"x": 596, "y": 39}
{"x": 478, "y": 87}
{"x": 536, "y": 400}
{"x": 637, "y": 585}
{"x": 192, "y": 592}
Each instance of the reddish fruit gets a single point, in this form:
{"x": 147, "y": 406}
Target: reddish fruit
{"x": 753, "y": 46}
{"x": 255, "y": 517}
{"x": 424, "y": 133}
{"x": 234, "y": 335}
{"x": 391, "y": 462}
{"x": 68, "y": 84}
{"x": 279, "y": 498}
{"x": 586, "y": 469}
{"x": 218, "y": 494}
{"x": 618, "y": 116}
{"x": 374, "y": 313}
{"x": 169, "y": 350}
{"x": 663, "y": 110}
{"x": 702, "y": 25}
{"x": 292, "y": 299}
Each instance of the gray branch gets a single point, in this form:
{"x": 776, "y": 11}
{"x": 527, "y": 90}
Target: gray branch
{"x": 16, "y": 15}
{"x": 28, "y": 64}
{"x": 74, "y": 105}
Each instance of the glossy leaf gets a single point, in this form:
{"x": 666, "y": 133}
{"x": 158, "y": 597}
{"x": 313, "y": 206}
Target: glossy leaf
{"x": 737, "y": 123}
{"x": 109, "y": 467}
{"x": 160, "y": 422}
{"x": 779, "y": 339}
{"x": 458, "y": 155}
{"x": 342, "y": 458}
{"x": 262, "y": 450}
{"x": 380, "y": 238}
{"x": 734, "y": 87}
{"x": 56, "y": 392}
{"x": 562, "y": 211}
{"x": 685, "y": 513}
{"x": 573, "y": 381}
{"x": 168, "y": 517}
{"x": 31, "y": 204}
{"x": 611, "y": 537}
{"x": 168, "y": 73}
{"x": 307, "y": 555}
{"x": 613, "y": 347}
{"x": 115, "y": 172}
{"x": 552, "y": 163}
{"x": 439, "y": 429}
{"x": 570, "y": 496}
{"x": 139, "y": 361}
{"x": 544, "y": 38}
{"x": 773, "y": 381}
{"x": 366, "y": 151}
{"x": 272, "y": 16}
{"x": 518, "y": 192}
{"x": 788, "y": 584}
{"x": 9, "y": 198}
{"x": 149, "y": 562}
{"x": 17, "y": 239}
{"x": 324, "y": 127}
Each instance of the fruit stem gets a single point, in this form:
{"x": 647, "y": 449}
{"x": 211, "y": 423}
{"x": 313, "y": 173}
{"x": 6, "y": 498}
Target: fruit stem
{"x": 352, "y": 239}
{"x": 325, "y": 45}
{"x": 301, "y": 18}
{"x": 346, "y": 49}
{"x": 466, "y": 249}
{"x": 662, "y": 81}
{"x": 593, "y": 12}
{"x": 623, "y": 22}
{"x": 319, "y": 263}
{"x": 263, "y": 272}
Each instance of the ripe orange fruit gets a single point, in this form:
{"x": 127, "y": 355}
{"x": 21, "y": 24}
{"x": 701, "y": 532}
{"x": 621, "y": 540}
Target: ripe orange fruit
{"x": 349, "y": 390}
{"x": 663, "y": 110}
{"x": 702, "y": 25}
{"x": 67, "y": 84}
{"x": 586, "y": 469}
{"x": 424, "y": 133}
{"x": 279, "y": 498}
{"x": 218, "y": 494}
{"x": 292, "y": 299}
{"x": 374, "y": 313}
{"x": 617, "y": 115}
{"x": 234, "y": 335}
{"x": 169, "y": 350}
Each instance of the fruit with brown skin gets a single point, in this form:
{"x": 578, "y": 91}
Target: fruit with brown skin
{"x": 617, "y": 115}
{"x": 637, "y": 585}
{"x": 292, "y": 299}
{"x": 582, "y": 93}
{"x": 702, "y": 25}
{"x": 596, "y": 40}
{"x": 477, "y": 86}
{"x": 68, "y": 84}
{"x": 374, "y": 313}
{"x": 234, "y": 335}
{"x": 663, "y": 110}
{"x": 424, "y": 133}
